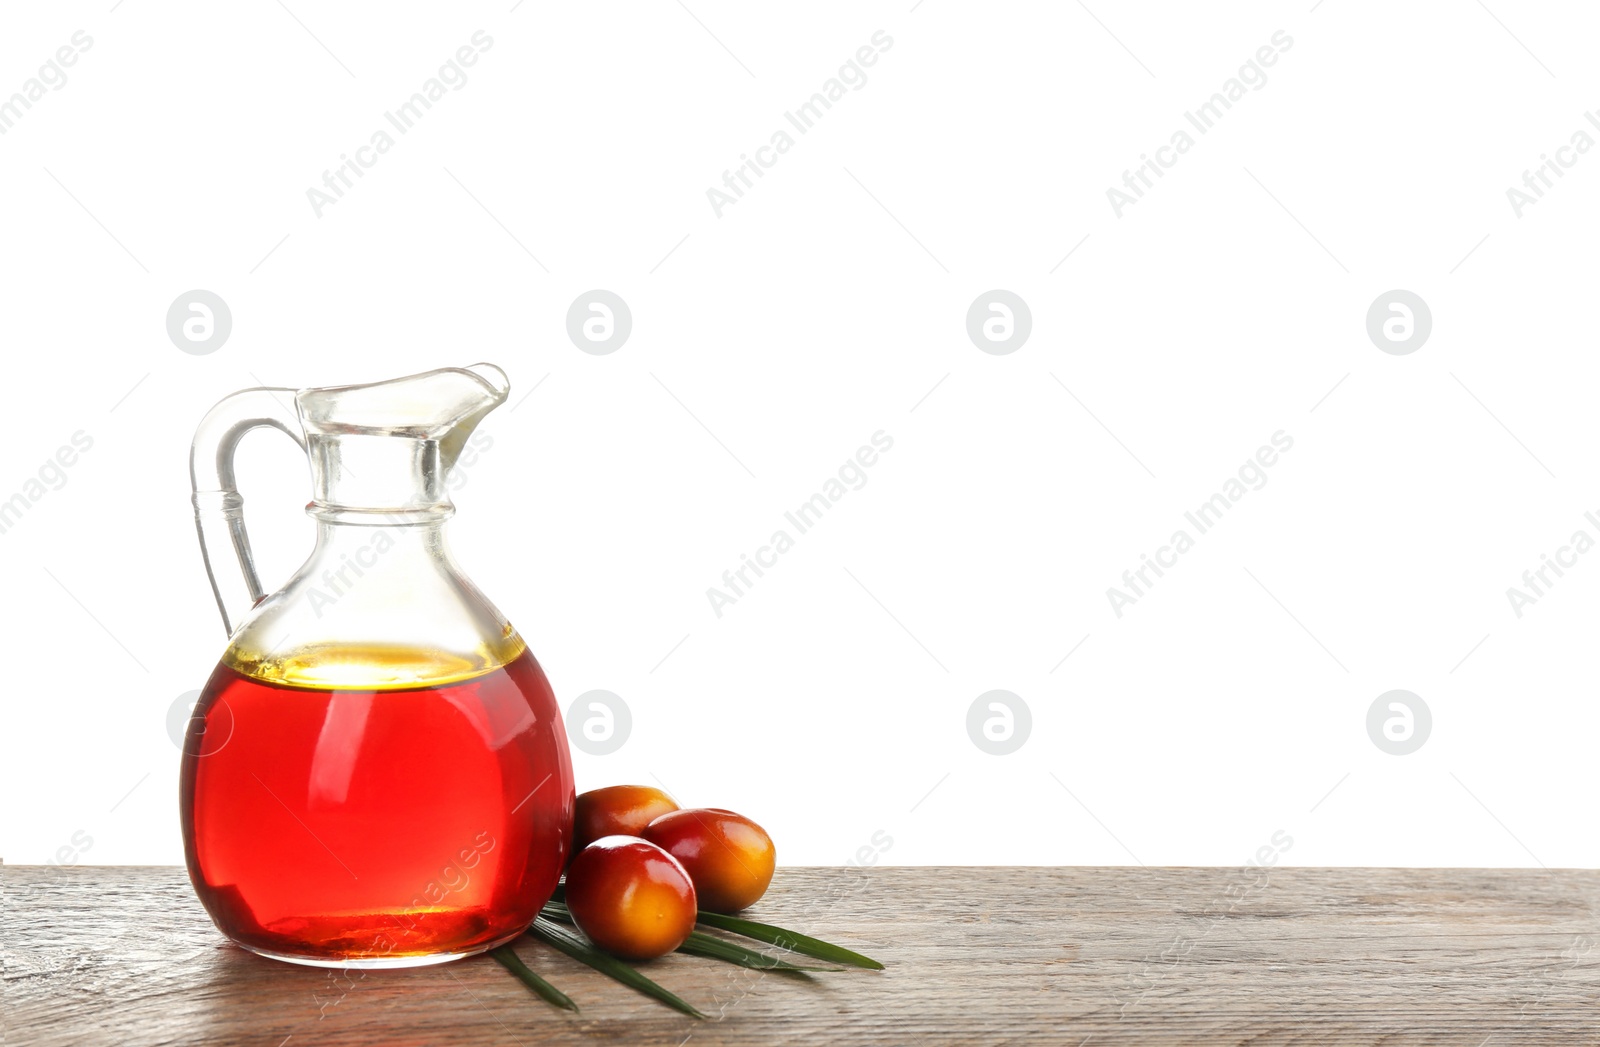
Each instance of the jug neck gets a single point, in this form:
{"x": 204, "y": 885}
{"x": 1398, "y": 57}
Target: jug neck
{"x": 377, "y": 479}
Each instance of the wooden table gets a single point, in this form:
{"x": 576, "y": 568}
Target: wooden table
{"x": 103, "y": 955}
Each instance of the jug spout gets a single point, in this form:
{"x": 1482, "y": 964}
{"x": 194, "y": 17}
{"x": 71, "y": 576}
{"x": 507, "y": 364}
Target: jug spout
{"x": 388, "y": 446}
{"x": 497, "y": 386}
{"x": 443, "y": 405}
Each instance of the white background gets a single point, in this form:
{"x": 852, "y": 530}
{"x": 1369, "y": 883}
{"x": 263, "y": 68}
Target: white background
{"x": 830, "y": 703}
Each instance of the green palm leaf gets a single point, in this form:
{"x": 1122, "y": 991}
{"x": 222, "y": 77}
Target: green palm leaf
{"x": 699, "y": 944}
{"x": 549, "y": 993}
{"x": 800, "y": 943}
{"x": 576, "y": 946}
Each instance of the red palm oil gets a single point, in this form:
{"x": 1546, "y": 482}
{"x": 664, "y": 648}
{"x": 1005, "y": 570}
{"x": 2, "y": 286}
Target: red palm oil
{"x": 348, "y": 827}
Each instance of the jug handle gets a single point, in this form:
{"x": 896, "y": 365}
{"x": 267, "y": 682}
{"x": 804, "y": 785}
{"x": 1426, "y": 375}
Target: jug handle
{"x": 218, "y": 506}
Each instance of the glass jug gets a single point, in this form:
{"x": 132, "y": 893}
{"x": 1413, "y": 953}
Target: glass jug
{"x": 376, "y": 773}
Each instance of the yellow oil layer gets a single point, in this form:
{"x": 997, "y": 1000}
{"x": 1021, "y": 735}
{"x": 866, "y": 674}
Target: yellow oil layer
{"x": 372, "y": 667}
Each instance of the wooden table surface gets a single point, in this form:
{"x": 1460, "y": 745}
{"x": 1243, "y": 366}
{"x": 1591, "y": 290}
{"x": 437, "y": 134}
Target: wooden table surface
{"x": 113, "y": 955}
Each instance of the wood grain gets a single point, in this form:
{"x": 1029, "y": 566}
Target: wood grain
{"x": 104, "y": 955}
